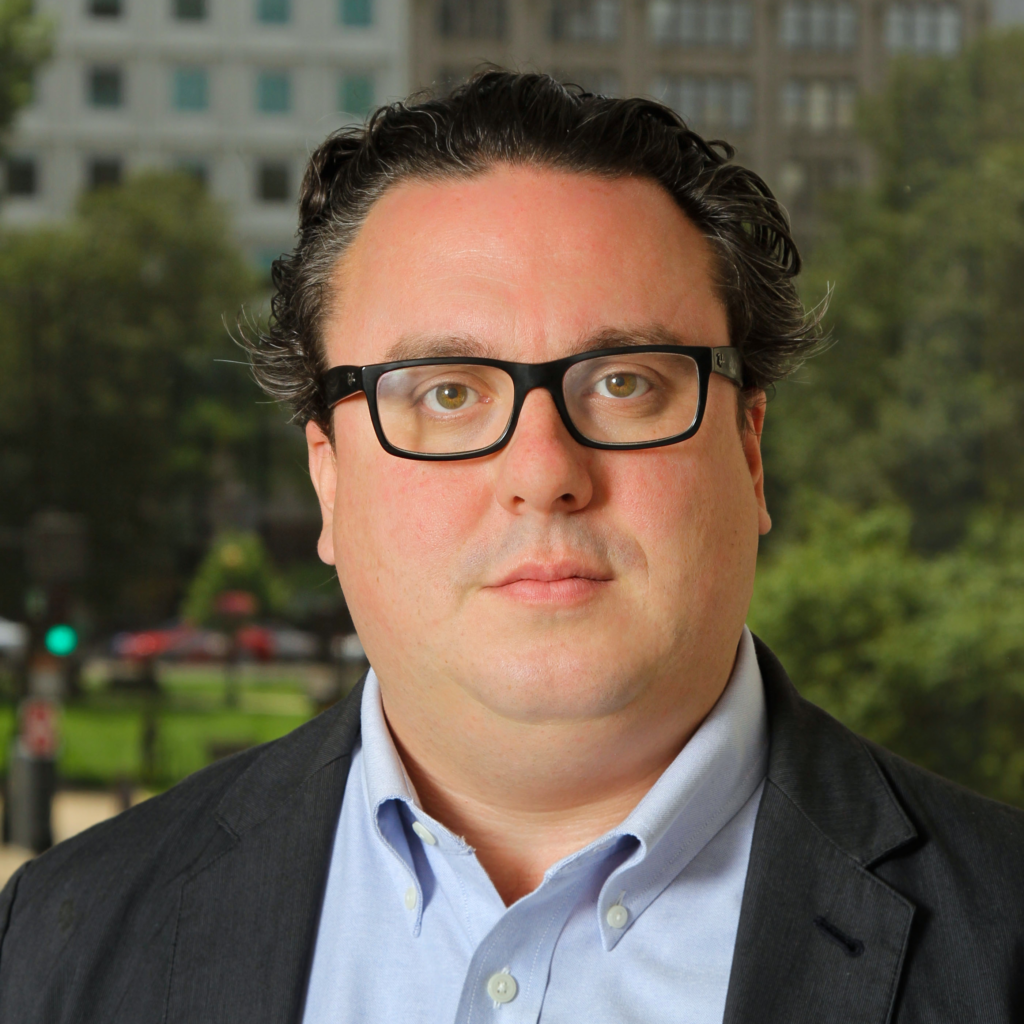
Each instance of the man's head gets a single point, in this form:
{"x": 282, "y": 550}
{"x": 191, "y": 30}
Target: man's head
{"x": 517, "y": 220}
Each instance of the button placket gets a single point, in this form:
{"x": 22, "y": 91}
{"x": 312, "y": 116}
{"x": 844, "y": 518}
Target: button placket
{"x": 502, "y": 987}
{"x": 524, "y": 939}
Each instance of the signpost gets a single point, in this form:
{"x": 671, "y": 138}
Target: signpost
{"x": 31, "y": 775}
{"x": 55, "y": 552}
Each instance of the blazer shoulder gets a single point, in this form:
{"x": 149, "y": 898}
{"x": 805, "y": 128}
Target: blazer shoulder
{"x": 960, "y": 820}
{"x": 171, "y": 828}
{"x": 163, "y": 837}
{"x": 876, "y": 805}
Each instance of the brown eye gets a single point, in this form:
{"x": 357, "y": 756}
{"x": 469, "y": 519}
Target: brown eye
{"x": 619, "y": 385}
{"x": 449, "y": 397}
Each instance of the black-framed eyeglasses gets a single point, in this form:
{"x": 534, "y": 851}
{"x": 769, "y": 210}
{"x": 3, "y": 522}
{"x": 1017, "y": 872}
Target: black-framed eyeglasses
{"x": 459, "y": 407}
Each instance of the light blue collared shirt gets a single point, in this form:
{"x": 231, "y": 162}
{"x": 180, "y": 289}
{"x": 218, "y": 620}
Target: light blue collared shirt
{"x": 639, "y": 925}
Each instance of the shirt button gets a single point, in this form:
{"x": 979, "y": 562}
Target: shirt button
{"x": 502, "y": 987}
{"x": 424, "y": 833}
{"x": 617, "y": 916}
{"x": 410, "y": 898}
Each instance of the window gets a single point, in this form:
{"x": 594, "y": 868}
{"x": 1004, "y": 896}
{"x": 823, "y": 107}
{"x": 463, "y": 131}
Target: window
{"x": 273, "y": 12}
{"x": 21, "y": 176}
{"x": 105, "y": 172}
{"x": 191, "y": 90}
{"x": 801, "y": 182}
{"x": 707, "y": 102}
{"x": 355, "y": 94}
{"x": 818, "y": 26}
{"x": 585, "y": 21}
{"x": 700, "y": 22}
{"x": 273, "y": 181}
{"x": 472, "y": 19}
{"x": 190, "y": 10}
{"x": 355, "y": 13}
{"x": 105, "y": 8}
{"x": 923, "y": 28}
{"x": 273, "y": 92}
{"x": 106, "y": 87}
{"x": 819, "y": 105}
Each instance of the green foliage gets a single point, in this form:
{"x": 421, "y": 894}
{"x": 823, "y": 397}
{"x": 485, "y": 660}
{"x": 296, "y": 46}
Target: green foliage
{"x": 921, "y": 400}
{"x": 236, "y": 561}
{"x": 113, "y": 403}
{"x": 893, "y": 585}
{"x": 25, "y": 42}
{"x": 923, "y": 655}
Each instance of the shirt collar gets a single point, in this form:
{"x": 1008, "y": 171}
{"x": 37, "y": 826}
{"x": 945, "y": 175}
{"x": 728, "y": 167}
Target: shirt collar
{"x": 707, "y": 784}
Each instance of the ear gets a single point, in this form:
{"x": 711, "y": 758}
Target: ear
{"x": 323, "y": 471}
{"x": 752, "y": 451}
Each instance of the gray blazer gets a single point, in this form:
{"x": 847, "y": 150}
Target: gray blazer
{"x": 876, "y": 891}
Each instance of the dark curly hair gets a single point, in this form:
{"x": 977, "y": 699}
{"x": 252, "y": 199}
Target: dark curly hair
{"x": 506, "y": 117}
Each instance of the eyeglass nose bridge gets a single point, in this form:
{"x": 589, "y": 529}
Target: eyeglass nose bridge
{"x": 529, "y": 377}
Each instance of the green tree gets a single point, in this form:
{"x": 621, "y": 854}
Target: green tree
{"x": 921, "y": 399}
{"x": 923, "y": 655}
{"x": 237, "y": 561}
{"x": 25, "y": 42}
{"x": 115, "y": 397}
{"x": 892, "y": 584}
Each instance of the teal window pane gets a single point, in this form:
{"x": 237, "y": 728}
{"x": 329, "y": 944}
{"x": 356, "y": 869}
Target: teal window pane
{"x": 191, "y": 89}
{"x": 106, "y": 87}
{"x": 356, "y": 12}
{"x": 190, "y": 10}
{"x": 274, "y": 12}
{"x": 355, "y": 94}
{"x": 273, "y": 92}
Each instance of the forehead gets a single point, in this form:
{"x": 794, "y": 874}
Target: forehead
{"x": 524, "y": 262}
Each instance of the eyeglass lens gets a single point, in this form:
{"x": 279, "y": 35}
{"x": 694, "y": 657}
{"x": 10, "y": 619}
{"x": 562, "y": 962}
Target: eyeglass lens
{"x": 449, "y": 409}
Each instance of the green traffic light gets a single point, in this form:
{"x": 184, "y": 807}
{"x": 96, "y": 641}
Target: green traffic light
{"x": 61, "y": 640}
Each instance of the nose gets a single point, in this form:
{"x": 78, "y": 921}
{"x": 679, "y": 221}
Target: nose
{"x": 542, "y": 469}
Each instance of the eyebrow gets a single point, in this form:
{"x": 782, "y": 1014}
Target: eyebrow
{"x": 441, "y": 346}
{"x": 448, "y": 346}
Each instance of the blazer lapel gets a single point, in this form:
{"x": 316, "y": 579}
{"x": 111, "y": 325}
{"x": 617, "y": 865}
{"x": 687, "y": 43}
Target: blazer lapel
{"x": 820, "y": 937}
{"x": 249, "y": 913}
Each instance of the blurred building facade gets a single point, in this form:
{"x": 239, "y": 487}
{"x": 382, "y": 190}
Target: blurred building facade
{"x": 237, "y": 92}
{"x": 777, "y": 78}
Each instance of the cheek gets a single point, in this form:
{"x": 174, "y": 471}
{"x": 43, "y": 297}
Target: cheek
{"x": 691, "y": 512}
{"x": 398, "y": 531}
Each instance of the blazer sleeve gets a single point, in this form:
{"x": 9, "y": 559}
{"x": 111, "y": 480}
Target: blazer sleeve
{"x": 7, "y": 906}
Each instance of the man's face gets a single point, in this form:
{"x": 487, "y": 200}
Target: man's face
{"x": 547, "y": 581}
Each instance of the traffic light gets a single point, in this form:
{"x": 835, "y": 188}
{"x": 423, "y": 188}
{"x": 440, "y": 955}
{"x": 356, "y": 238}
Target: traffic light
{"x": 61, "y": 640}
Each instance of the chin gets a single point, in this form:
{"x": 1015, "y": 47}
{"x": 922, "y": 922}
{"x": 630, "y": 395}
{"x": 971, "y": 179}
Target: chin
{"x": 554, "y": 685}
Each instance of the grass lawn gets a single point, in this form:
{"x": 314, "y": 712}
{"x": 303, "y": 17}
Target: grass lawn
{"x": 102, "y": 733}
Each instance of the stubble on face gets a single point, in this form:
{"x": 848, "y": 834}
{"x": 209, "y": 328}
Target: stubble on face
{"x": 528, "y": 261}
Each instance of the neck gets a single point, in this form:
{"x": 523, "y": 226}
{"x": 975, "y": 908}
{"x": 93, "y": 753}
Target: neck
{"x": 526, "y": 795}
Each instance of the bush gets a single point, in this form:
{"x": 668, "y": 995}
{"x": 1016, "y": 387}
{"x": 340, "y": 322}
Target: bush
{"x": 923, "y": 655}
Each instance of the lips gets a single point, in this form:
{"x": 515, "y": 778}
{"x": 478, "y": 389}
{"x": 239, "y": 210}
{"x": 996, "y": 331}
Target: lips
{"x": 562, "y": 582}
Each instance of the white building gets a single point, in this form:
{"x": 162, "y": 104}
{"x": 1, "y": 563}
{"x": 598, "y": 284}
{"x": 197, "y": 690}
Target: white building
{"x": 236, "y": 91}
{"x": 1007, "y": 13}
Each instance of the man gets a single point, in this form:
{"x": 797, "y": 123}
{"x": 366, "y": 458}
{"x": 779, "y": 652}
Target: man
{"x": 529, "y": 334}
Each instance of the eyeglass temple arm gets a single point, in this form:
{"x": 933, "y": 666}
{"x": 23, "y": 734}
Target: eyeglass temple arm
{"x": 340, "y": 382}
{"x": 725, "y": 360}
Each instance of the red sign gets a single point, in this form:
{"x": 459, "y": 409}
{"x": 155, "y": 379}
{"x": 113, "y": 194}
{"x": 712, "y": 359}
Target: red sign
{"x": 236, "y": 602}
{"x": 39, "y": 727}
